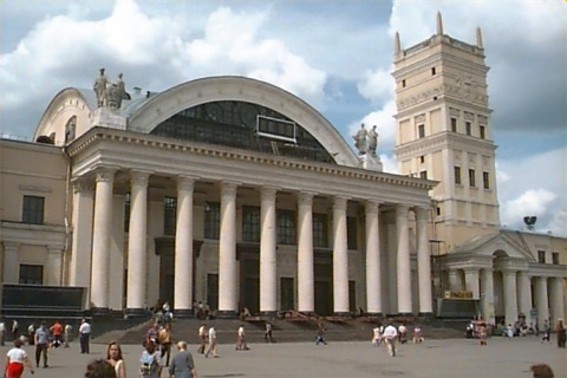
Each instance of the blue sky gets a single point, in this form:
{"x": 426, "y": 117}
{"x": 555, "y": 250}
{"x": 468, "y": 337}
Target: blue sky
{"x": 335, "y": 54}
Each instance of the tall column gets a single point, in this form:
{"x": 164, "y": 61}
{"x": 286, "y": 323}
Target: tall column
{"x": 228, "y": 301}
{"x": 455, "y": 282}
{"x": 183, "y": 275}
{"x": 541, "y": 300}
{"x": 471, "y": 282}
{"x": 101, "y": 239}
{"x": 11, "y": 263}
{"x": 82, "y": 226}
{"x": 268, "y": 256}
{"x": 488, "y": 295}
{"x": 305, "y": 268}
{"x": 557, "y": 304}
{"x": 510, "y": 298}
{"x": 137, "y": 234}
{"x": 373, "y": 270}
{"x": 403, "y": 260}
{"x": 524, "y": 294}
{"x": 54, "y": 265}
{"x": 423, "y": 264}
{"x": 340, "y": 257}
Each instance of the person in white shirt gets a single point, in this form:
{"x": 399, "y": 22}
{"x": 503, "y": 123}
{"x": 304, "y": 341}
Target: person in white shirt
{"x": 402, "y": 334}
{"x": 16, "y": 360}
{"x": 376, "y": 336}
{"x": 84, "y": 336}
{"x": 2, "y": 332}
{"x": 212, "y": 343}
{"x": 390, "y": 335}
{"x": 241, "y": 339}
{"x": 203, "y": 337}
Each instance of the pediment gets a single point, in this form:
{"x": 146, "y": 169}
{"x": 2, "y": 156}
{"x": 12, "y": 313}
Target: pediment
{"x": 501, "y": 244}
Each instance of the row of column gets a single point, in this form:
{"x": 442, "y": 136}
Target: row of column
{"x": 228, "y": 300}
{"x": 517, "y": 293}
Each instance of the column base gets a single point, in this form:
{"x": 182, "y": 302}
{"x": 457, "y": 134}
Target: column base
{"x": 427, "y": 315}
{"x": 342, "y": 314}
{"x": 227, "y": 314}
{"x": 183, "y": 313}
{"x": 400, "y": 314}
{"x": 99, "y": 311}
{"x": 136, "y": 313}
{"x": 374, "y": 314}
{"x": 269, "y": 314}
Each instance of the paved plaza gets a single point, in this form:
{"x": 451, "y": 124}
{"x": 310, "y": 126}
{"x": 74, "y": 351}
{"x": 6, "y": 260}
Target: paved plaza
{"x": 436, "y": 358}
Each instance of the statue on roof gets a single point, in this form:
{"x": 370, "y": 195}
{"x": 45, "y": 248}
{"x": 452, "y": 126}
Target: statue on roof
{"x": 360, "y": 140}
{"x": 115, "y": 93}
{"x": 100, "y": 89}
{"x": 372, "y": 140}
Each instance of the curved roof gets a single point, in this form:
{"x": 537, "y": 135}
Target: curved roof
{"x": 145, "y": 116}
{"x": 146, "y": 113}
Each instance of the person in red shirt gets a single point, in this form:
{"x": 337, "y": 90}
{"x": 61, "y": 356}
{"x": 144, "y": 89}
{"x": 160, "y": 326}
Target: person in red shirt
{"x": 57, "y": 332}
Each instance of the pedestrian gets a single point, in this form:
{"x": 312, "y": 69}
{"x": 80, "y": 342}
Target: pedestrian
{"x": 417, "y": 335}
{"x": 150, "y": 366}
{"x": 376, "y": 336}
{"x": 183, "y": 365}
{"x": 203, "y": 337}
{"x": 67, "y": 334}
{"x": 268, "y": 333}
{"x": 114, "y": 357}
{"x": 482, "y": 334}
{"x": 390, "y": 335}
{"x": 100, "y": 368}
{"x": 31, "y": 333}
{"x": 212, "y": 347}
{"x": 164, "y": 339}
{"x": 402, "y": 334}
{"x": 57, "y": 332}
{"x": 547, "y": 332}
{"x": 320, "y": 337}
{"x": 560, "y": 329}
{"x": 2, "y": 333}
{"x": 85, "y": 336}
{"x": 16, "y": 360}
{"x": 241, "y": 339}
{"x": 15, "y": 328}
{"x": 41, "y": 344}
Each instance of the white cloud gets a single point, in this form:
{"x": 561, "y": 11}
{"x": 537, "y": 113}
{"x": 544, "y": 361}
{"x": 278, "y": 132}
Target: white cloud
{"x": 377, "y": 85}
{"x": 386, "y": 126}
{"x": 532, "y": 202}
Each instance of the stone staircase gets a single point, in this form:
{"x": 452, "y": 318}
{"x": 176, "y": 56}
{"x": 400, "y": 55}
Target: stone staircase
{"x": 284, "y": 330}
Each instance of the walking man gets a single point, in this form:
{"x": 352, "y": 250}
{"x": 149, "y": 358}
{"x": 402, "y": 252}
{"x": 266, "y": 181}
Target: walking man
{"x": 203, "y": 337}
{"x": 390, "y": 335}
{"x": 84, "y": 336}
{"x": 212, "y": 343}
{"x": 41, "y": 344}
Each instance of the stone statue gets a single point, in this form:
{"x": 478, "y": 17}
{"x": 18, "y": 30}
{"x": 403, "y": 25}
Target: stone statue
{"x": 113, "y": 93}
{"x": 360, "y": 140}
{"x": 372, "y": 140}
{"x": 100, "y": 89}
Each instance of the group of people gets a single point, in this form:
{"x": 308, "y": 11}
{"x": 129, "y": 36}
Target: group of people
{"x": 389, "y": 335}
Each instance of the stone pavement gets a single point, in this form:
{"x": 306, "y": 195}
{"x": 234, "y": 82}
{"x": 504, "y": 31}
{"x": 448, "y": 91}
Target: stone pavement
{"x": 502, "y": 358}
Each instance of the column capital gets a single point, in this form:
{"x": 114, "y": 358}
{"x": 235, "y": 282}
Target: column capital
{"x": 139, "y": 177}
{"x": 105, "y": 174}
{"x": 54, "y": 249}
{"x": 471, "y": 269}
{"x": 420, "y": 213}
{"x": 9, "y": 245}
{"x": 306, "y": 198}
{"x": 269, "y": 192}
{"x": 402, "y": 210}
{"x": 82, "y": 185}
{"x": 372, "y": 205}
{"x": 229, "y": 187}
{"x": 186, "y": 183}
{"x": 340, "y": 202}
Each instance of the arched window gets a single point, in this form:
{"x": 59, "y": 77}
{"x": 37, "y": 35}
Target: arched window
{"x": 70, "y": 129}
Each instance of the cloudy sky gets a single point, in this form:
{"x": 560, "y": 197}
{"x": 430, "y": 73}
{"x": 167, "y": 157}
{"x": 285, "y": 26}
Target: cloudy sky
{"x": 335, "y": 54}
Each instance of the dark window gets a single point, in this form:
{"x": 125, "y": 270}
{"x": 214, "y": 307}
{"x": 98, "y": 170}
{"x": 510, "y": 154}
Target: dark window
{"x": 127, "y": 212}
{"x": 433, "y": 72}
{"x": 31, "y": 274}
{"x": 423, "y": 175}
{"x": 352, "y": 239}
{"x": 472, "y": 178}
{"x": 403, "y": 83}
{"x": 169, "y": 215}
{"x": 555, "y": 258}
{"x": 468, "y": 128}
{"x": 251, "y": 224}
{"x": 422, "y": 159}
{"x": 482, "y": 132}
{"x": 485, "y": 180}
{"x": 453, "y": 124}
{"x": 458, "y": 175}
{"x": 212, "y": 220}
{"x": 541, "y": 257}
{"x": 421, "y": 131}
{"x": 438, "y": 210}
{"x": 320, "y": 231}
{"x": 286, "y": 227}
{"x": 70, "y": 129}
{"x": 33, "y": 209}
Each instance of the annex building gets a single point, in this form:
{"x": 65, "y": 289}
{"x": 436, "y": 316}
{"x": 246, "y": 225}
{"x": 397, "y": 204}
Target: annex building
{"x": 234, "y": 192}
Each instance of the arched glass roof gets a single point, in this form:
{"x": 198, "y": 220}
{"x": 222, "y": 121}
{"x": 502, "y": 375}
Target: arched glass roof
{"x": 243, "y": 125}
